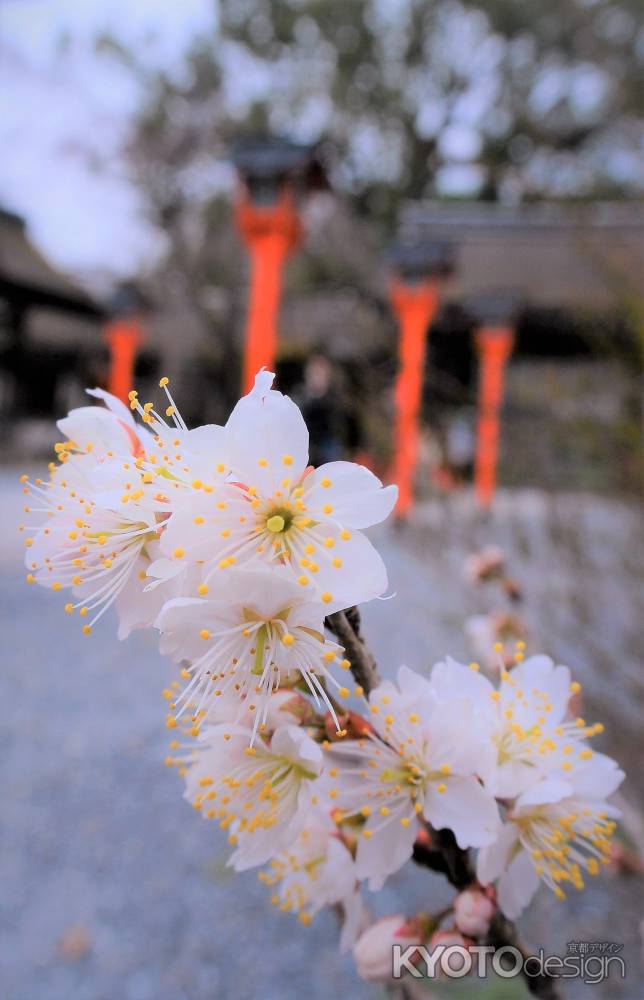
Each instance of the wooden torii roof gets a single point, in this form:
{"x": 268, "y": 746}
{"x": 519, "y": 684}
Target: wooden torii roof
{"x": 583, "y": 256}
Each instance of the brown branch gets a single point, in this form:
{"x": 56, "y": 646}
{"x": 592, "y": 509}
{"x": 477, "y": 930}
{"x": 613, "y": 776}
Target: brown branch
{"x": 345, "y": 626}
{"x": 442, "y": 854}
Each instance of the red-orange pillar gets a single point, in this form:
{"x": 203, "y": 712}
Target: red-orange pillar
{"x": 494, "y": 346}
{"x": 270, "y": 233}
{"x": 415, "y": 307}
{"x": 124, "y": 337}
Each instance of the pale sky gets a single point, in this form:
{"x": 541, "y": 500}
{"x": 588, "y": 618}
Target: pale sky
{"x": 64, "y": 110}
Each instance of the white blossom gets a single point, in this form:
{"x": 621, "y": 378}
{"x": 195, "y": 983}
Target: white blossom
{"x": 557, "y": 831}
{"x": 261, "y": 794}
{"x": 420, "y": 763}
{"x": 251, "y": 634}
{"x": 99, "y": 519}
{"x": 318, "y": 870}
{"x": 274, "y": 510}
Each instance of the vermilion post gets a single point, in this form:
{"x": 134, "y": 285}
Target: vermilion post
{"x": 124, "y": 337}
{"x": 270, "y": 232}
{"x": 415, "y": 307}
{"x": 495, "y": 345}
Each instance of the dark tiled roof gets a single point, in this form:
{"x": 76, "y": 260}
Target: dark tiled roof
{"x": 27, "y": 276}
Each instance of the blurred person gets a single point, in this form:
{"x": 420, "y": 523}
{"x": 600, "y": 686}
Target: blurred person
{"x": 333, "y": 423}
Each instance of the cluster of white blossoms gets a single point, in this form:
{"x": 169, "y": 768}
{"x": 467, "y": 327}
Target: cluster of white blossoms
{"x": 235, "y": 550}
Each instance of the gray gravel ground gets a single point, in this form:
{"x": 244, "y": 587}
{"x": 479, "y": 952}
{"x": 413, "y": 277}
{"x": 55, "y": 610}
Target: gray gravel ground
{"x": 113, "y": 889}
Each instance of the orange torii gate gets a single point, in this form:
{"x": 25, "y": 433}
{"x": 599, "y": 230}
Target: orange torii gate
{"x": 414, "y": 297}
{"x": 272, "y": 172}
{"x": 124, "y": 334}
{"x": 494, "y": 340}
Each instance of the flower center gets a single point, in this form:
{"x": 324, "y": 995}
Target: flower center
{"x": 279, "y": 520}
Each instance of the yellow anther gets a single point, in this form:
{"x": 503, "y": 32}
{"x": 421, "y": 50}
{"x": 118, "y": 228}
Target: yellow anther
{"x": 287, "y": 460}
{"x": 179, "y": 553}
{"x": 575, "y": 687}
{"x": 475, "y": 666}
{"x": 87, "y": 629}
{"x": 405, "y": 821}
{"x": 327, "y": 509}
{"x": 329, "y": 542}
{"x": 288, "y": 639}
{"x": 344, "y": 692}
{"x": 169, "y": 411}
{"x": 326, "y": 597}
{"x": 326, "y": 483}
{"x": 69, "y": 608}
{"x": 441, "y": 788}
{"x": 204, "y": 634}
{"x": 163, "y": 382}
{"x": 30, "y": 578}
{"x": 303, "y": 580}
{"x": 262, "y": 462}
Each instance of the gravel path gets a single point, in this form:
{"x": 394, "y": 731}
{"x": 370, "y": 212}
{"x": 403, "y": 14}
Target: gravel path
{"x": 112, "y": 888}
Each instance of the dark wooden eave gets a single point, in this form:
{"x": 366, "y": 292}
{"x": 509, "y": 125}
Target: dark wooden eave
{"x": 27, "y": 279}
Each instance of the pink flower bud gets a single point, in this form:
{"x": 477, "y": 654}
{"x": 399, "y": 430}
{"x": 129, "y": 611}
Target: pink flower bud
{"x": 473, "y": 911}
{"x": 448, "y": 939}
{"x": 373, "y": 949}
{"x": 287, "y": 708}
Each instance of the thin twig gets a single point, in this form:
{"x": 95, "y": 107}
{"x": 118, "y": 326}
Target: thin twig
{"x": 345, "y": 626}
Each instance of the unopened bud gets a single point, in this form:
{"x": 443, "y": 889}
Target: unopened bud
{"x": 473, "y": 911}
{"x": 373, "y": 951}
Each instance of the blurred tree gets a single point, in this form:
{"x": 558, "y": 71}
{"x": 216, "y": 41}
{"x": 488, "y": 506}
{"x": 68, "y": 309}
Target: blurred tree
{"x": 494, "y": 99}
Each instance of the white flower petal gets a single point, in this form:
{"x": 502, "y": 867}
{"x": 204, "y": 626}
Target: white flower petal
{"x": 466, "y": 809}
{"x": 357, "y": 496}
{"x": 494, "y": 859}
{"x": 268, "y": 439}
{"x": 386, "y": 851}
{"x": 545, "y": 792}
{"x": 517, "y": 885}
